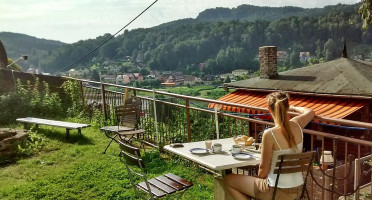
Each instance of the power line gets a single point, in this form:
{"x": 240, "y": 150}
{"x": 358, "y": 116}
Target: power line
{"x": 104, "y": 42}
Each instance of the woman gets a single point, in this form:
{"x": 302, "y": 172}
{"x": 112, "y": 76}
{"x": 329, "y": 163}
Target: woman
{"x": 286, "y": 137}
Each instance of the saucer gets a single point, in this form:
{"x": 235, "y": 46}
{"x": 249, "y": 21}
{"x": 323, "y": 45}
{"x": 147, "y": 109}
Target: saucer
{"x": 199, "y": 151}
{"x": 242, "y": 156}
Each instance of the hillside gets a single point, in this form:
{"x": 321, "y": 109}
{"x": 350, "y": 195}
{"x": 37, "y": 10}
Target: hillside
{"x": 20, "y": 44}
{"x": 253, "y": 13}
{"x": 224, "y": 39}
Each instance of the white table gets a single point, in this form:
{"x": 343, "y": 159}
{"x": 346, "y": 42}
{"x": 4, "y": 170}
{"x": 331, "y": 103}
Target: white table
{"x": 222, "y": 162}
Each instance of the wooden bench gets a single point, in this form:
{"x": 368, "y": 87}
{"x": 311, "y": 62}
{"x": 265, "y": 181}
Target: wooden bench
{"x": 68, "y": 125}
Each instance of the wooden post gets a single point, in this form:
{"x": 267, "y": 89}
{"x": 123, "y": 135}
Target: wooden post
{"x": 216, "y": 118}
{"x": 82, "y": 92}
{"x": 335, "y": 143}
{"x": 103, "y": 100}
{"x": 188, "y": 120}
{"x": 156, "y": 119}
{"x": 357, "y": 182}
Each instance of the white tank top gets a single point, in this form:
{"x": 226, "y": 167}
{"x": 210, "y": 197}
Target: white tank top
{"x": 285, "y": 180}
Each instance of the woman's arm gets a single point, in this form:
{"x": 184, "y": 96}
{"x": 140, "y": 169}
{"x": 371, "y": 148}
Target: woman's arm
{"x": 267, "y": 148}
{"x": 304, "y": 118}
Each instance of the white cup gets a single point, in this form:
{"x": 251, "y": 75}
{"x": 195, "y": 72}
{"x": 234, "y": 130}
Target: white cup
{"x": 242, "y": 145}
{"x": 217, "y": 147}
{"x": 236, "y": 149}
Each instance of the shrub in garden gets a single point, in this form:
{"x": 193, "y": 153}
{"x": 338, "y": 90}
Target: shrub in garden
{"x": 30, "y": 100}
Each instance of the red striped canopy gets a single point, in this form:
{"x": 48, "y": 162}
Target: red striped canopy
{"x": 332, "y": 107}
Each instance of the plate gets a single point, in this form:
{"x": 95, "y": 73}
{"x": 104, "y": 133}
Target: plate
{"x": 199, "y": 151}
{"x": 242, "y": 156}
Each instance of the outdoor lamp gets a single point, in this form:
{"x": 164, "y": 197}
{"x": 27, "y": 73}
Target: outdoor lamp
{"x": 24, "y": 57}
{"x": 326, "y": 159}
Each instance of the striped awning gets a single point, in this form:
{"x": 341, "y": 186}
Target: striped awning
{"x": 332, "y": 107}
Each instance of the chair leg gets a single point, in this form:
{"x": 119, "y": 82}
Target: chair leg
{"x": 108, "y": 146}
{"x": 112, "y": 139}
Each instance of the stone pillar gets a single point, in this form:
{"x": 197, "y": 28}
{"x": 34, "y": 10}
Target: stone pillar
{"x": 268, "y": 62}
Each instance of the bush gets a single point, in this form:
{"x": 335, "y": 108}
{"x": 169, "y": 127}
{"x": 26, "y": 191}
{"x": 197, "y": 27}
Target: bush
{"x": 30, "y": 100}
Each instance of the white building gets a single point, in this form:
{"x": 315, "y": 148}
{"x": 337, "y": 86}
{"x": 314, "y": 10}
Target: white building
{"x": 240, "y": 72}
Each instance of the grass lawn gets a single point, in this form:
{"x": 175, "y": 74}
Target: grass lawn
{"x": 78, "y": 169}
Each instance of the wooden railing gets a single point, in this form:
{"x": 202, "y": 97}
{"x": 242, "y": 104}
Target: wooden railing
{"x": 169, "y": 117}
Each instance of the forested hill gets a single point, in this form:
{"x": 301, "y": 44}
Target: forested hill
{"x": 17, "y": 44}
{"x": 222, "y": 45}
{"x": 253, "y": 13}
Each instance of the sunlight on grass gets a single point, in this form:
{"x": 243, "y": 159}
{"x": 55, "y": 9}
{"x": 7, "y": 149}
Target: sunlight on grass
{"x": 78, "y": 169}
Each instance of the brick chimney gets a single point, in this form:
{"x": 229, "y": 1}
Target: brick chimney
{"x": 268, "y": 62}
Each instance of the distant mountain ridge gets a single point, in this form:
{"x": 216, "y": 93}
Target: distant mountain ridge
{"x": 17, "y": 44}
{"x": 223, "y": 39}
{"x": 253, "y": 13}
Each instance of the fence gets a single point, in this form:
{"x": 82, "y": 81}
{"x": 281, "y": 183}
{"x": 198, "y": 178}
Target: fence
{"x": 169, "y": 117}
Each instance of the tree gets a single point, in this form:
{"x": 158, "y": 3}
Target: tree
{"x": 95, "y": 76}
{"x": 330, "y": 50}
{"x": 294, "y": 56}
{"x": 365, "y": 10}
{"x": 144, "y": 71}
{"x": 227, "y": 79}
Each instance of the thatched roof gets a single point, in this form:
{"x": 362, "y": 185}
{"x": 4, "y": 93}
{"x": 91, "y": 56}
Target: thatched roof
{"x": 342, "y": 76}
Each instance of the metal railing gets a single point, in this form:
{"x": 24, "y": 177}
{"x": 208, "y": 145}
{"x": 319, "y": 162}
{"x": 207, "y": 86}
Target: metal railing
{"x": 169, "y": 117}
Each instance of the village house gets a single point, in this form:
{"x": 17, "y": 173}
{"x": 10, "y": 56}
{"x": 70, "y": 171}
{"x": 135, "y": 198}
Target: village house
{"x": 122, "y": 79}
{"x": 209, "y": 78}
{"x": 304, "y": 56}
{"x": 239, "y": 72}
{"x": 128, "y": 78}
{"x": 187, "y": 79}
{"x": 108, "y": 78}
{"x": 282, "y": 55}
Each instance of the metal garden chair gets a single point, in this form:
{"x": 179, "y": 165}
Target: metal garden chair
{"x": 159, "y": 187}
{"x": 292, "y": 163}
{"x": 128, "y": 119}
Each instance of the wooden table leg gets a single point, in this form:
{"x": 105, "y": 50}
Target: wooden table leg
{"x": 220, "y": 192}
{"x": 67, "y": 133}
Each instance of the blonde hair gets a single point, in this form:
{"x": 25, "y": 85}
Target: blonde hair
{"x": 279, "y": 105}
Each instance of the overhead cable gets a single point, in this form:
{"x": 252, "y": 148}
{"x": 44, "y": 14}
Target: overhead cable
{"x": 104, "y": 42}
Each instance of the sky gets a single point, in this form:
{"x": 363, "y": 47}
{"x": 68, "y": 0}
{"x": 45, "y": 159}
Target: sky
{"x": 73, "y": 20}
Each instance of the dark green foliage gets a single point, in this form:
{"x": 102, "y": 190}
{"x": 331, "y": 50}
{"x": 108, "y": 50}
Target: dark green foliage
{"x": 228, "y": 40}
{"x": 19, "y": 44}
{"x": 365, "y": 11}
{"x": 227, "y": 79}
{"x": 30, "y": 101}
{"x": 73, "y": 105}
{"x": 95, "y": 76}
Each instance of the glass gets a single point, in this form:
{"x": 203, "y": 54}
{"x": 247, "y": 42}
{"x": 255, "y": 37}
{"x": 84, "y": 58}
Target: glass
{"x": 208, "y": 144}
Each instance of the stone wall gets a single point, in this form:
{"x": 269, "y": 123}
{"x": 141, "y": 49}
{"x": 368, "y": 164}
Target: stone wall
{"x": 268, "y": 62}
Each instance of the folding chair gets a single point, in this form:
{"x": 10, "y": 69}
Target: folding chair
{"x": 292, "y": 163}
{"x": 159, "y": 187}
{"x": 128, "y": 119}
